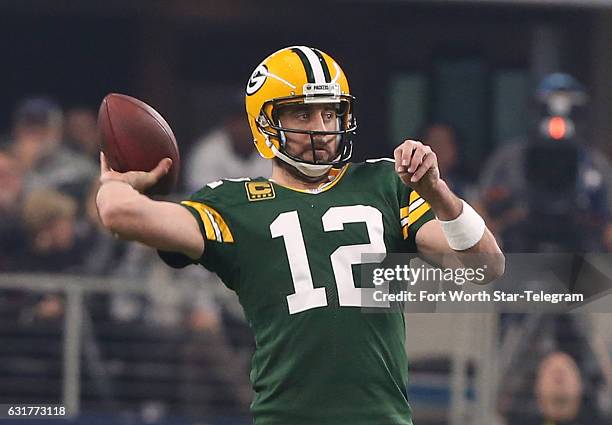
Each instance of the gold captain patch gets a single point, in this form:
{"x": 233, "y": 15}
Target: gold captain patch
{"x": 258, "y": 191}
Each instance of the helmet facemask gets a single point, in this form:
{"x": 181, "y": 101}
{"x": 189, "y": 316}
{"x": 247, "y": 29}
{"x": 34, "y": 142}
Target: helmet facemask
{"x": 270, "y": 125}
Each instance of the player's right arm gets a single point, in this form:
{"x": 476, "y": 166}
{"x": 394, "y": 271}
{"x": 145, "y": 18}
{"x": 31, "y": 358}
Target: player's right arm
{"x": 130, "y": 215}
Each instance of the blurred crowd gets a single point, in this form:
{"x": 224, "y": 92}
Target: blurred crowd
{"x": 49, "y": 178}
{"x": 46, "y": 168}
{"x": 49, "y": 224}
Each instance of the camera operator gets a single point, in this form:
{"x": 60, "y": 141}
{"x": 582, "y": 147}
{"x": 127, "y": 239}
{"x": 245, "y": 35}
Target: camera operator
{"x": 549, "y": 193}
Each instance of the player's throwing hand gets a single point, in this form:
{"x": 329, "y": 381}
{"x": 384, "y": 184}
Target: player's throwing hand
{"x": 139, "y": 180}
{"x": 417, "y": 165}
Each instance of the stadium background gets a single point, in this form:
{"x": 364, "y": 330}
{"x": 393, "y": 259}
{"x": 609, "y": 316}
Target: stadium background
{"x": 471, "y": 64}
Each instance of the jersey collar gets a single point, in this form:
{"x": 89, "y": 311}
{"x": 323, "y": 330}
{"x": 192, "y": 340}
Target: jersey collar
{"x": 335, "y": 175}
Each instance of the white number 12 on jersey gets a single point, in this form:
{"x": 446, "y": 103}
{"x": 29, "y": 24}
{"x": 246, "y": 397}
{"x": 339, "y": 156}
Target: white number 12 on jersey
{"x": 306, "y": 296}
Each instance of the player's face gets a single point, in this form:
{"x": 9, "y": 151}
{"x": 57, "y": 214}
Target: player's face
{"x": 321, "y": 117}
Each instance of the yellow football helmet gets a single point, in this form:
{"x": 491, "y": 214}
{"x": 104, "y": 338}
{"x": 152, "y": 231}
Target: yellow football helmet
{"x": 298, "y": 75}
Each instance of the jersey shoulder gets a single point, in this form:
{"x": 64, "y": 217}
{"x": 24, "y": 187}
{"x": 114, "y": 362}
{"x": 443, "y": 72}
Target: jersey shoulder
{"x": 375, "y": 165}
{"x": 378, "y": 170}
{"x": 231, "y": 192}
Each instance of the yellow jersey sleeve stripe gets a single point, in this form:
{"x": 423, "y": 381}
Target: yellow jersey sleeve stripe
{"x": 418, "y": 213}
{"x": 412, "y": 218}
{"x": 414, "y": 205}
{"x": 226, "y": 234}
{"x": 200, "y": 208}
{"x": 414, "y": 202}
{"x": 413, "y": 197}
{"x": 215, "y": 227}
{"x": 404, "y": 212}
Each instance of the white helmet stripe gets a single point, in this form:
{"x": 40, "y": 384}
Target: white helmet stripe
{"x": 317, "y": 69}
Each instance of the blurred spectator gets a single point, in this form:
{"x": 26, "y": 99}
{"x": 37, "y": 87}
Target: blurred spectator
{"x": 37, "y": 144}
{"x": 228, "y": 151}
{"x": 50, "y": 220}
{"x": 557, "y": 377}
{"x": 560, "y": 397}
{"x": 558, "y": 388}
{"x": 37, "y": 130}
{"x": 12, "y": 236}
{"x": 82, "y": 131}
{"x": 551, "y": 191}
{"x": 443, "y": 138}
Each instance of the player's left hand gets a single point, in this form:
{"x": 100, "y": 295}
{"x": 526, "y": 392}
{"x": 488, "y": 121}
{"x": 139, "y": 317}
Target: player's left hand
{"x": 417, "y": 165}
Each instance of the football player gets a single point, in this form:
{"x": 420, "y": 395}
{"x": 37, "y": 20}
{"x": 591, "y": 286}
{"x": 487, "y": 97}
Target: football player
{"x": 287, "y": 245}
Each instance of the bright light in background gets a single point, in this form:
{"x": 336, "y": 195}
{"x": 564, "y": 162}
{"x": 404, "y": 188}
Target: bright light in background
{"x": 557, "y": 128}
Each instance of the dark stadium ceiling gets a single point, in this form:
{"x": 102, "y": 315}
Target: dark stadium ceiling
{"x": 577, "y": 3}
{"x": 518, "y": 3}
{"x": 215, "y": 9}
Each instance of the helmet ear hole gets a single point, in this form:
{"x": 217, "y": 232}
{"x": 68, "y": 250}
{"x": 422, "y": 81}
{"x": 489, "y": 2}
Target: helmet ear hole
{"x": 262, "y": 121}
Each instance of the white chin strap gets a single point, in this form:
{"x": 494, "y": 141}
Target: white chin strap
{"x": 310, "y": 170}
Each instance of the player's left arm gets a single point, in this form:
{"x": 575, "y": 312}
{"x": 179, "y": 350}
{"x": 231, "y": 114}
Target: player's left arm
{"x": 459, "y": 237}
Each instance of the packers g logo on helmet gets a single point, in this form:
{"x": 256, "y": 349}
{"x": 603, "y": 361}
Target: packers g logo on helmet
{"x": 258, "y": 78}
{"x": 298, "y": 75}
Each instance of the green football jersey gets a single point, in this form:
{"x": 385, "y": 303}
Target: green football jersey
{"x": 291, "y": 256}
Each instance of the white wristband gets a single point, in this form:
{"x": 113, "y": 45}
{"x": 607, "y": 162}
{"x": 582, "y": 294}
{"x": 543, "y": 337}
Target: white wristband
{"x": 464, "y": 231}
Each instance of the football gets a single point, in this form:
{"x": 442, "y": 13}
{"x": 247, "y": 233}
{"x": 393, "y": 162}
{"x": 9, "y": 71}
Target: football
{"x": 135, "y": 137}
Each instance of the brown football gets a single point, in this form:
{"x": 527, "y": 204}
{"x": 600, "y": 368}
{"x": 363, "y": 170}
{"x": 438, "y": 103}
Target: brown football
{"x": 135, "y": 137}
